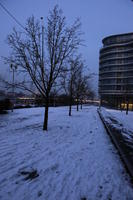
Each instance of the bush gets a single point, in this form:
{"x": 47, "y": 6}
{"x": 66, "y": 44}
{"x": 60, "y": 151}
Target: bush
{"x": 5, "y": 104}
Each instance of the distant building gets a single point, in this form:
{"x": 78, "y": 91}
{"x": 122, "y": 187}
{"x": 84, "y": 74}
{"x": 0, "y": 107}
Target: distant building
{"x": 116, "y": 71}
{"x": 25, "y": 100}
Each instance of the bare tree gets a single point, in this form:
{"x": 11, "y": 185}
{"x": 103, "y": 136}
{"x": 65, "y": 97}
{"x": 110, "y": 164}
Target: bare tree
{"x": 69, "y": 78}
{"x": 83, "y": 90}
{"x": 60, "y": 43}
{"x": 80, "y": 84}
{"x": 82, "y": 87}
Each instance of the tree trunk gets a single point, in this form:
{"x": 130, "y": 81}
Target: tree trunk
{"x": 54, "y": 102}
{"x": 70, "y": 100}
{"x": 81, "y": 105}
{"x": 127, "y": 108}
{"x": 70, "y": 109}
{"x": 77, "y": 105}
{"x": 45, "y": 124}
{"x": 120, "y": 107}
{"x": 70, "y": 106}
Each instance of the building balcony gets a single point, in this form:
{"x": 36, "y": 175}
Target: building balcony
{"x": 116, "y": 64}
{"x": 115, "y": 84}
{"x": 114, "y": 77}
{"x": 116, "y": 45}
{"x": 116, "y": 92}
{"x": 115, "y": 52}
{"x": 115, "y": 71}
{"x": 119, "y": 38}
{"x": 116, "y": 58}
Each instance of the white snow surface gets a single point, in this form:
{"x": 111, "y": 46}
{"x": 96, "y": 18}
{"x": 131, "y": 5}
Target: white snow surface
{"x": 119, "y": 120}
{"x": 74, "y": 158}
{"x": 121, "y": 117}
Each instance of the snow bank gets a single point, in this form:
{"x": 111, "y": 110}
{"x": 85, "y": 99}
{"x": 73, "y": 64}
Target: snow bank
{"x": 120, "y": 121}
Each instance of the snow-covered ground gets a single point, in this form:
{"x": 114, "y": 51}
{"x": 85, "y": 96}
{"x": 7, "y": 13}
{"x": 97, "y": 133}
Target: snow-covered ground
{"x": 120, "y": 121}
{"x": 74, "y": 160}
{"x": 126, "y": 120}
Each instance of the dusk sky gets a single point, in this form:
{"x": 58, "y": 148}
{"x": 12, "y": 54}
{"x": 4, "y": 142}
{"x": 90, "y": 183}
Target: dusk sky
{"x": 99, "y": 19}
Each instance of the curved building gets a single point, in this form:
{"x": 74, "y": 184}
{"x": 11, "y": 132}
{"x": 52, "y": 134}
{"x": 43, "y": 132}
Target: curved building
{"x": 116, "y": 71}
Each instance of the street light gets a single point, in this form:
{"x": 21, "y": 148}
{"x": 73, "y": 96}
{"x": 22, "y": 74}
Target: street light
{"x": 13, "y": 68}
{"x": 42, "y": 41}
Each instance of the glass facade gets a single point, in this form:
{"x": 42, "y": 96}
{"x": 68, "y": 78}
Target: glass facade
{"x": 116, "y": 69}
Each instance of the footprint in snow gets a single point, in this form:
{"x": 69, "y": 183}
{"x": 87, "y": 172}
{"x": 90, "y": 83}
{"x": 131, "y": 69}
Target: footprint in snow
{"x": 83, "y": 198}
{"x": 91, "y": 143}
{"x": 39, "y": 193}
{"x": 54, "y": 167}
{"x": 29, "y": 175}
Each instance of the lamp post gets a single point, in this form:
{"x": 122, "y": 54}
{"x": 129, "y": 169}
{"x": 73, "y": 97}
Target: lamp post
{"x": 13, "y": 68}
{"x": 42, "y": 42}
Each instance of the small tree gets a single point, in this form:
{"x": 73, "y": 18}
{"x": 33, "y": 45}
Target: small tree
{"x": 28, "y": 52}
{"x": 69, "y": 78}
{"x": 82, "y": 88}
{"x": 80, "y": 85}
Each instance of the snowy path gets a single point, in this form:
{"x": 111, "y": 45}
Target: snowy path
{"x": 75, "y": 158}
